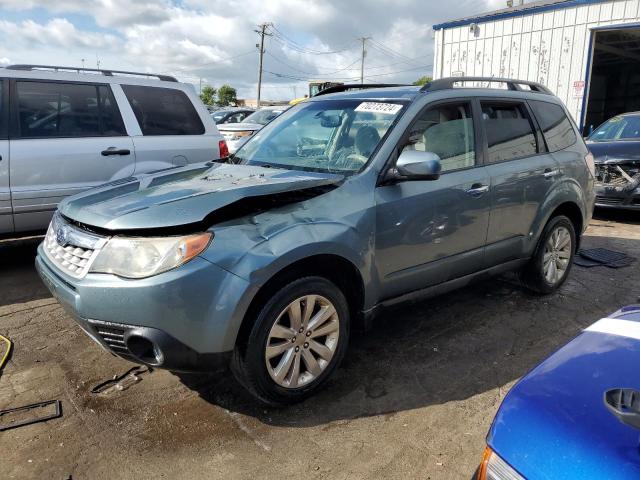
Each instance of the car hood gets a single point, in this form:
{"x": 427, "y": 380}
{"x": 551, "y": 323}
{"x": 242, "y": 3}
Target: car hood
{"x": 615, "y": 151}
{"x": 554, "y": 423}
{"x": 236, "y": 127}
{"x": 184, "y": 196}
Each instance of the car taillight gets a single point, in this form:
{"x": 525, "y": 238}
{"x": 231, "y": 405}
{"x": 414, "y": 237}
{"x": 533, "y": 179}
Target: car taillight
{"x": 224, "y": 150}
{"x": 591, "y": 163}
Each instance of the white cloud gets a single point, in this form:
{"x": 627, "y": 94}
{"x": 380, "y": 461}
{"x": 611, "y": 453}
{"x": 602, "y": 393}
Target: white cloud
{"x": 215, "y": 39}
{"x": 57, "y": 32}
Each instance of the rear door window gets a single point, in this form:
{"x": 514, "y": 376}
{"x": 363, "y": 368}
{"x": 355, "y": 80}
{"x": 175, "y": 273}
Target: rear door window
{"x": 58, "y": 109}
{"x": 556, "y": 126}
{"x": 163, "y": 111}
{"x": 510, "y": 132}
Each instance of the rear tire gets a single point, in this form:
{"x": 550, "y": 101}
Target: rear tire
{"x": 297, "y": 341}
{"x": 551, "y": 262}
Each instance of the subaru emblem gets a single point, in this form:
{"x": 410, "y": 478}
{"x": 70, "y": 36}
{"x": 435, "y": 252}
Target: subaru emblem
{"x": 61, "y": 236}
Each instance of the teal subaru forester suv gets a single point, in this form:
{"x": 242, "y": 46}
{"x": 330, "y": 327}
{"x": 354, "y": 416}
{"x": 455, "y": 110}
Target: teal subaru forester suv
{"x": 360, "y": 198}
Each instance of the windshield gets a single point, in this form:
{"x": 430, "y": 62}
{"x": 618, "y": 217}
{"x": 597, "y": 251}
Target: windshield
{"x": 263, "y": 116}
{"x": 337, "y": 136}
{"x": 618, "y": 128}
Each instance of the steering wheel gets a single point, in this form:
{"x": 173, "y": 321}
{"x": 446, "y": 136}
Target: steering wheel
{"x": 356, "y": 157}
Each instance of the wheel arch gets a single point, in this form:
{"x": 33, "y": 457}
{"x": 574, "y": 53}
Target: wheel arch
{"x": 335, "y": 268}
{"x": 566, "y": 199}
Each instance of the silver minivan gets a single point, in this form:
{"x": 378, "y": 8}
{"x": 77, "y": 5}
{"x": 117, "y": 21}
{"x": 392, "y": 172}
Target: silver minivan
{"x": 65, "y": 130}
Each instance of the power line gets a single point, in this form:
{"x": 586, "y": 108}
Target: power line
{"x": 348, "y": 67}
{"x": 283, "y": 39}
{"x": 391, "y": 50}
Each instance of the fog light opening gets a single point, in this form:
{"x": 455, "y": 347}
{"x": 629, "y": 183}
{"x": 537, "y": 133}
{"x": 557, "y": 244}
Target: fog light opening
{"x": 145, "y": 350}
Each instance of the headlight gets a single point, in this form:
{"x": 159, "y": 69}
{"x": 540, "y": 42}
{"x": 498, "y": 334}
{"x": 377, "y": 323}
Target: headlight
{"x": 494, "y": 468}
{"x": 143, "y": 257}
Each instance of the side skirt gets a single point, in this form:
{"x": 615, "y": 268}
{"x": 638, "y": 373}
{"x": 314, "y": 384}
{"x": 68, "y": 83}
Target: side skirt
{"x": 435, "y": 290}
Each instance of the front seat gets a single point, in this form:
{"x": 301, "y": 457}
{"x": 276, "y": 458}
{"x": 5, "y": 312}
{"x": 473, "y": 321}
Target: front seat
{"x": 367, "y": 139}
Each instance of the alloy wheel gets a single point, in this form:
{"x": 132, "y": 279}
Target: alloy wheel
{"x": 557, "y": 255}
{"x": 302, "y": 341}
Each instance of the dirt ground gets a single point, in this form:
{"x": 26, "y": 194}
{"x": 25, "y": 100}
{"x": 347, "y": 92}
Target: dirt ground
{"x": 414, "y": 398}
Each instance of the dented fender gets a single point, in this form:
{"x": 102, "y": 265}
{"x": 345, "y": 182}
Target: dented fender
{"x": 259, "y": 247}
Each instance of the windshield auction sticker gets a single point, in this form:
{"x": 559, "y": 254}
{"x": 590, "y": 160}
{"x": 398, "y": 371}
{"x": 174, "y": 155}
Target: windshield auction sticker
{"x": 376, "y": 107}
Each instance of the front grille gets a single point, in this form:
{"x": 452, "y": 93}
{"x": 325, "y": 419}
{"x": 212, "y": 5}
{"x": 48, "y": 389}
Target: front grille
{"x": 71, "y": 249}
{"x": 609, "y": 200}
{"x": 72, "y": 259}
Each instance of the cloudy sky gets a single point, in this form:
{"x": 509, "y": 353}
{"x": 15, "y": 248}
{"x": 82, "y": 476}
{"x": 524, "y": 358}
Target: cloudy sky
{"x": 213, "y": 41}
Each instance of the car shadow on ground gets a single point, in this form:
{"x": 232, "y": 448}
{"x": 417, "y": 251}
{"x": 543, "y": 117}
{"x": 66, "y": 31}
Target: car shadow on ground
{"x": 19, "y": 281}
{"x": 628, "y": 217}
{"x": 445, "y": 349}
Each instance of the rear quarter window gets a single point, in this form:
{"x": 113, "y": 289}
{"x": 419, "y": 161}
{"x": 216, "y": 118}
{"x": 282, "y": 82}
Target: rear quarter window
{"x": 556, "y": 126}
{"x": 163, "y": 111}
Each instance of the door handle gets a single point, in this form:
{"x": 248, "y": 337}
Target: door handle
{"x": 549, "y": 173}
{"x": 114, "y": 151}
{"x": 478, "y": 189}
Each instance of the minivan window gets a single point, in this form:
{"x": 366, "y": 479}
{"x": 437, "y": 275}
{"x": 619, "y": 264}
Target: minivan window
{"x": 57, "y": 109}
{"x": 510, "y": 133}
{"x": 557, "y": 128}
{"x": 447, "y": 131}
{"x": 163, "y": 111}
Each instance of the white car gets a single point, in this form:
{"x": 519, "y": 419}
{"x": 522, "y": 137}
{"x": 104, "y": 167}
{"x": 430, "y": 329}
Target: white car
{"x": 63, "y": 130}
{"x": 237, "y": 134}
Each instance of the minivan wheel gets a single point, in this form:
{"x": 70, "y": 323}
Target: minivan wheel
{"x": 297, "y": 341}
{"x": 551, "y": 263}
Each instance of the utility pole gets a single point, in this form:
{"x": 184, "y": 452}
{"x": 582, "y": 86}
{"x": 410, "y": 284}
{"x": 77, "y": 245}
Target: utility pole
{"x": 262, "y": 32}
{"x": 364, "y": 53}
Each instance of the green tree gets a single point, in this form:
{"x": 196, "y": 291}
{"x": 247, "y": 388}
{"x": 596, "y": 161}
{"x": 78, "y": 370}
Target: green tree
{"x": 208, "y": 95}
{"x": 227, "y": 95}
{"x": 423, "y": 80}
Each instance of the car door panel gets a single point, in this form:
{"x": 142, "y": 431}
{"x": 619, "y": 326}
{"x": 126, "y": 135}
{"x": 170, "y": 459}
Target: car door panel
{"x": 45, "y": 171}
{"x": 6, "y": 212}
{"x": 429, "y": 232}
{"x": 518, "y": 189}
{"x": 519, "y": 167}
{"x": 66, "y": 137}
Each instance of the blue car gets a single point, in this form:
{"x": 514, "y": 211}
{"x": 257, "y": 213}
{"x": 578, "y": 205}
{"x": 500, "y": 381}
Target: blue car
{"x": 577, "y": 414}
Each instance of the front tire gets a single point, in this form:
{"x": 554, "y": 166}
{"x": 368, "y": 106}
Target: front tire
{"x": 297, "y": 341}
{"x": 551, "y": 263}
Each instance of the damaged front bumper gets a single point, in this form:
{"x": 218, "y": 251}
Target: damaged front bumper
{"x": 618, "y": 185}
{"x": 186, "y": 319}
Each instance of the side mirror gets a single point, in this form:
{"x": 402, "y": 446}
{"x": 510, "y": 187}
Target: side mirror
{"x": 416, "y": 165}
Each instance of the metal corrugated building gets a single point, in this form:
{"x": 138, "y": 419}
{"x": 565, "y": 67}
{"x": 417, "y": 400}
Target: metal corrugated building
{"x": 586, "y": 51}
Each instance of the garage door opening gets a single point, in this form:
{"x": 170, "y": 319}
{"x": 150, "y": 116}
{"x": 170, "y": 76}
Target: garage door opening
{"x": 614, "y": 87}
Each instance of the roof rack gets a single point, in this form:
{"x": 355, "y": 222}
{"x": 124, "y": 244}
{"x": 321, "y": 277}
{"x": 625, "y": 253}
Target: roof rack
{"x": 107, "y": 73}
{"x": 358, "y": 86}
{"x": 516, "y": 85}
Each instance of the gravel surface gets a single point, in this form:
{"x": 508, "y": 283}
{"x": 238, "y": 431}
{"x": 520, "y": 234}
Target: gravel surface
{"x": 414, "y": 398}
